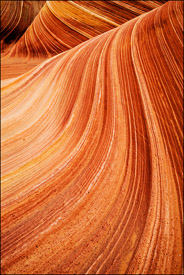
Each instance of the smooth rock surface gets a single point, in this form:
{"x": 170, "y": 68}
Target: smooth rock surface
{"x": 91, "y": 148}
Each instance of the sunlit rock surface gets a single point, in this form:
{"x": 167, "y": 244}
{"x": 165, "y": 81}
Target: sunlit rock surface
{"x": 61, "y": 25}
{"x": 92, "y": 155}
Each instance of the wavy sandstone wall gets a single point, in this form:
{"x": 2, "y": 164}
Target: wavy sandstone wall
{"x": 62, "y": 25}
{"x": 16, "y": 16}
{"x": 92, "y": 155}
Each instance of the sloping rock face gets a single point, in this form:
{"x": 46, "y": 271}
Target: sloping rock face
{"x": 92, "y": 155}
{"x": 62, "y": 25}
{"x": 59, "y": 26}
{"x": 16, "y": 16}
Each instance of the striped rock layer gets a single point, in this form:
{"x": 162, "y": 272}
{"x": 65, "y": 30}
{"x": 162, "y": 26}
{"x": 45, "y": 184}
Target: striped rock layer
{"x": 92, "y": 155}
{"x": 61, "y": 25}
{"x": 16, "y": 16}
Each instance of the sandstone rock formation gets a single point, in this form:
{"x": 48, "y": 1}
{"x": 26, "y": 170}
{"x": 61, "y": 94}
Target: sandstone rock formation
{"x": 61, "y": 25}
{"x": 92, "y": 154}
{"x": 16, "y": 16}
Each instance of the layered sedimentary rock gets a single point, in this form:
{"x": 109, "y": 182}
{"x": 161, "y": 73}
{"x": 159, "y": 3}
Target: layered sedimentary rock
{"x": 16, "y": 16}
{"x": 61, "y": 25}
{"x": 92, "y": 155}
{"x": 13, "y": 67}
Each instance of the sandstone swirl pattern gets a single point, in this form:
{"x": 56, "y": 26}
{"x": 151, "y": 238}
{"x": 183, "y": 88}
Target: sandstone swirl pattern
{"x": 16, "y": 16}
{"x": 92, "y": 155}
{"x": 61, "y": 25}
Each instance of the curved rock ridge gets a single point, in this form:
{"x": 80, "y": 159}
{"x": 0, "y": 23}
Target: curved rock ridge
{"x": 92, "y": 155}
{"x": 16, "y": 16}
{"x": 61, "y": 25}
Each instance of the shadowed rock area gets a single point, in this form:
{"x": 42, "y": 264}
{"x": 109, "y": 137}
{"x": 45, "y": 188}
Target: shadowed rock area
{"x": 16, "y": 16}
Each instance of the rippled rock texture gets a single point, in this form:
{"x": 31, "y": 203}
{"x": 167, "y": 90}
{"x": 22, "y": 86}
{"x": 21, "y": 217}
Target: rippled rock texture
{"x": 61, "y": 25}
{"x": 16, "y": 16}
{"x": 92, "y": 154}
